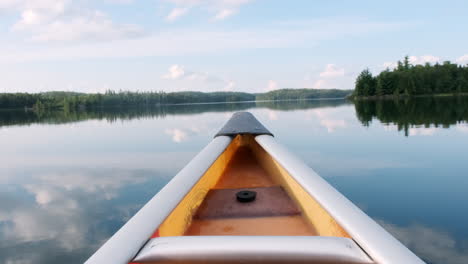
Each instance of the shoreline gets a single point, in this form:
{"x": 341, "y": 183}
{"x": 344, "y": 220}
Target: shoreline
{"x": 259, "y": 101}
{"x": 183, "y": 104}
{"x": 400, "y": 97}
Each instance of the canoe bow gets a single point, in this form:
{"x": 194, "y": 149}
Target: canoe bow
{"x": 297, "y": 216}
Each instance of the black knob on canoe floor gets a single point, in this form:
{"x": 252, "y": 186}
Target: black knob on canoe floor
{"x": 246, "y": 196}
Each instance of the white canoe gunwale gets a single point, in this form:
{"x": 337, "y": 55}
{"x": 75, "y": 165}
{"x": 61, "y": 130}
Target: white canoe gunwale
{"x": 253, "y": 249}
{"x": 131, "y": 243}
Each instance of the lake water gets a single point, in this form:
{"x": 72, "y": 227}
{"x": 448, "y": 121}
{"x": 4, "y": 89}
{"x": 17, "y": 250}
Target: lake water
{"x": 68, "y": 181}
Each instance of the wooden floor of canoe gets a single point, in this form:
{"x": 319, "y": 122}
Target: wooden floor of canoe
{"x": 244, "y": 171}
{"x": 257, "y": 226}
{"x": 272, "y": 213}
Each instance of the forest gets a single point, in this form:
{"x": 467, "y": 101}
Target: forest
{"x": 77, "y": 101}
{"x": 413, "y": 80}
{"x": 303, "y": 94}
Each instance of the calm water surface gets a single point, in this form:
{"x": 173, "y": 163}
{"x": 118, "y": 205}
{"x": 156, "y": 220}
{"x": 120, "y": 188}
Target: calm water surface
{"x": 68, "y": 181}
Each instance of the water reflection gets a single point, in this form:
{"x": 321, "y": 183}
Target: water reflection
{"x": 70, "y": 211}
{"x": 434, "y": 246}
{"x": 27, "y": 117}
{"x": 329, "y": 120}
{"x": 68, "y": 181}
{"x": 426, "y": 113}
{"x": 415, "y": 117}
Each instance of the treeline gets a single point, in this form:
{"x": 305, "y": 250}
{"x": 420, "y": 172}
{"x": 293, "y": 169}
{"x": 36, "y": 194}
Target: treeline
{"x": 74, "y": 101}
{"x": 414, "y": 112}
{"x": 410, "y": 80}
{"x": 303, "y": 94}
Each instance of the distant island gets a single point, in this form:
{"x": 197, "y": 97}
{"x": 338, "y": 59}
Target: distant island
{"x": 413, "y": 80}
{"x": 76, "y": 101}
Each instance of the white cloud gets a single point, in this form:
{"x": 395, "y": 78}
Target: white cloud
{"x": 178, "y": 72}
{"x": 463, "y": 59}
{"x": 331, "y": 77}
{"x": 186, "y": 2}
{"x": 331, "y": 71}
{"x": 9, "y": 4}
{"x": 225, "y": 13}
{"x": 221, "y": 9}
{"x": 96, "y": 27}
{"x": 319, "y": 84}
{"x": 415, "y": 60}
{"x": 230, "y": 86}
{"x": 176, "y": 13}
{"x": 175, "y": 72}
{"x": 29, "y": 17}
{"x": 390, "y": 65}
{"x": 174, "y": 42}
{"x": 341, "y": 82}
{"x": 120, "y": 1}
{"x": 35, "y": 11}
{"x": 272, "y": 85}
{"x": 423, "y": 59}
{"x": 64, "y": 21}
{"x": 200, "y": 76}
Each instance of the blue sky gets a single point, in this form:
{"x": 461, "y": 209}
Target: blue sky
{"x": 208, "y": 45}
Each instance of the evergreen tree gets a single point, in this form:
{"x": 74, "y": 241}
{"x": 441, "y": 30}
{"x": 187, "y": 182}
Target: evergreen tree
{"x": 365, "y": 84}
{"x": 410, "y": 80}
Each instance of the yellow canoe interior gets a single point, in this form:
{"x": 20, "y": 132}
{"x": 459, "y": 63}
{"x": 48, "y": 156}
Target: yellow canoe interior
{"x": 282, "y": 207}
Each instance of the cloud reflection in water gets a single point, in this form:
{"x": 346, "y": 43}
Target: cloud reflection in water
{"x": 432, "y": 245}
{"x": 65, "y": 214}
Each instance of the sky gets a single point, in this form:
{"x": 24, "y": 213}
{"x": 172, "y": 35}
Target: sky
{"x": 219, "y": 45}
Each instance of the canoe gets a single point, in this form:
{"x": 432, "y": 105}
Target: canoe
{"x": 245, "y": 199}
